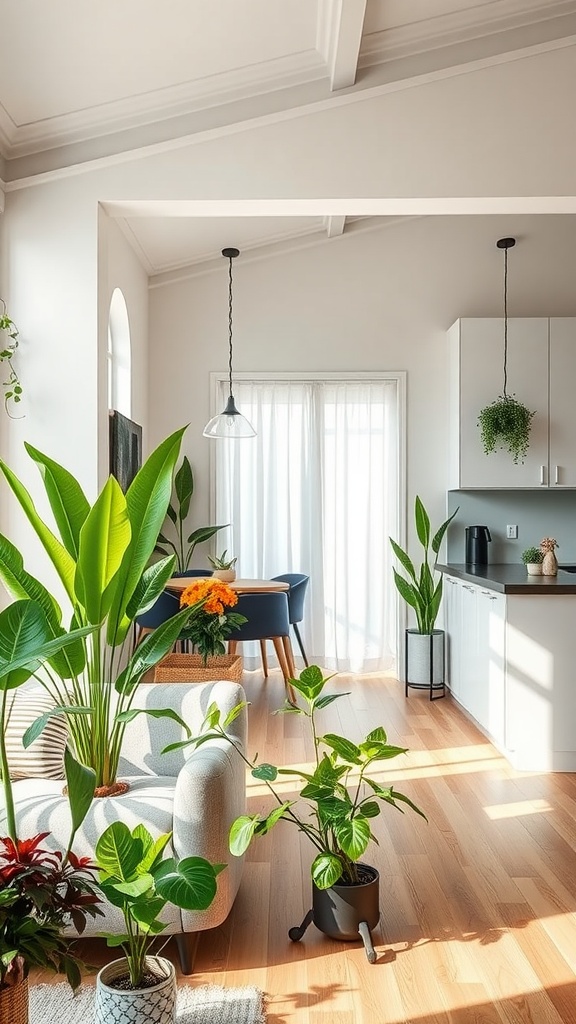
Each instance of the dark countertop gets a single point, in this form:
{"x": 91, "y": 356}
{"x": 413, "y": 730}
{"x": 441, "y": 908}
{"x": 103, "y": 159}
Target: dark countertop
{"x": 511, "y": 578}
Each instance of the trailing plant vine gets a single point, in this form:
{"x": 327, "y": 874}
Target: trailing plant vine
{"x": 12, "y": 386}
{"x": 505, "y": 423}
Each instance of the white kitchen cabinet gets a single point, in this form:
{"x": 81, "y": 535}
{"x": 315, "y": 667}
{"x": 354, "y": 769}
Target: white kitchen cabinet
{"x": 475, "y": 621}
{"x": 541, "y": 369}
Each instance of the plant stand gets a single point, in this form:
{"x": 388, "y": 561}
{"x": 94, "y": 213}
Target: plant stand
{"x": 424, "y": 662}
{"x": 345, "y": 912}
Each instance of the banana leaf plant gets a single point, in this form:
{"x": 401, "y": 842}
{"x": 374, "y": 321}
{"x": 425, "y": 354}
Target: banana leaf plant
{"x": 101, "y": 555}
{"x": 177, "y": 513}
{"x": 421, "y": 591}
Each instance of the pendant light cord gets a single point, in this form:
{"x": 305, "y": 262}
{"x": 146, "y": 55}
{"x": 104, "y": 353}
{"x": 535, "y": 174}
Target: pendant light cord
{"x": 230, "y": 325}
{"x": 505, "y": 321}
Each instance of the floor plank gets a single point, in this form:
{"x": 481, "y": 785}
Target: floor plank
{"x": 478, "y": 906}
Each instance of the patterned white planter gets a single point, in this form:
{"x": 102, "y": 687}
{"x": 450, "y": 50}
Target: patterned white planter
{"x": 420, "y": 648}
{"x": 225, "y": 575}
{"x": 155, "y": 1005}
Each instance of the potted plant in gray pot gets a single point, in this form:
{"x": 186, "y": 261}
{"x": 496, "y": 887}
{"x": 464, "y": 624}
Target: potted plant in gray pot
{"x": 422, "y": 591}
{"x": 136, "y": 877}
{"x": 338, "y": 799}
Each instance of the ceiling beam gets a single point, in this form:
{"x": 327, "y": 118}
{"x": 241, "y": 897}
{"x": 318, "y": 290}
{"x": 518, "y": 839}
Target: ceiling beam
{"x": 339, "y": 35}
{"x": 334, "y": 226}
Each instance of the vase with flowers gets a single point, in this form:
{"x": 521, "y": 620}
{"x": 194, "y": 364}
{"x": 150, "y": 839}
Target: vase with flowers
{"x": 549, "y": 561}
{"x": 210, "y": 623}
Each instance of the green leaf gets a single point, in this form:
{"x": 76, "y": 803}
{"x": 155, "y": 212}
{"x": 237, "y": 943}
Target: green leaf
{"x": 233, "y": 714}
{"x": 68, "y": 502}
{"x": 149, "y": 652}
{"x": 151, "y": 584}
{"x": 119, "y": 853}
{"x": 147, "y": 501}
{"x": 61, "y": 560}
{"x": 202, "y": 534}
{"x": 328, "y": 698}
{"x": 377, "y": 735}
{"x": 26, "y": 641}
{"x": 265, "y": 772}
{"x": 274, "y": 816}
{"x": 370, "y": 809}
{"x": 145, "y": 913}
{"x": 184, "y": 487}
{"x": 190, "y": 884}
{"x": 132, "y": 713}
{"x": 404, "y": 559}
{"x": 326, "y": 870}
{"x": 137, "y": 887}
{"x": 39, "y": 724}
{"x": 422, "y": 523}
{"x": 439, "y": 535}
{"x": 345, "y": 749}
{"x": 152, "y": 850}
{"x": 242, "y": 833}
{"x": 353, "y": 835}
{"x": 20, "y": 584}
{"x": 104, "y": 540}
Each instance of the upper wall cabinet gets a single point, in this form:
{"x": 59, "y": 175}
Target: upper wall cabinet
{"x": 541, "y": 374}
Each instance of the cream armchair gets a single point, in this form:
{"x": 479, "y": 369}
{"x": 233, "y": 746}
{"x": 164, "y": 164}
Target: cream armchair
{"x": 196, "y": 794}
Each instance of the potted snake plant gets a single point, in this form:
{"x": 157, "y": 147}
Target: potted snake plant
{"x": 422, "y": 591}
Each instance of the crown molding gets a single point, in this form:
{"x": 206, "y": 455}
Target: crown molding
{"x": 461, "y": 27}
{"x": 385, "y": 79}
{"x": 147, "y": 108}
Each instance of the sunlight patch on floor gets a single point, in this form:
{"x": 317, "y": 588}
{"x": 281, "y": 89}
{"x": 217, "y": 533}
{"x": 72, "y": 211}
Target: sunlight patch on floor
{"x": 517, "y": 809}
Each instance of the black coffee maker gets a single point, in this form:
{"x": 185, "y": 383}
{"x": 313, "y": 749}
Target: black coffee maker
{"x": 477, "y": 538}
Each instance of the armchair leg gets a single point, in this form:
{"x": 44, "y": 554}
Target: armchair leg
{"x": 187, "y": 943}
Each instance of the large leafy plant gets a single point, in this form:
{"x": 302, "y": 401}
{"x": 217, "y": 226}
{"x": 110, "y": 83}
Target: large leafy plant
{"x": 422, "y": 591}
{"x": 101, "y": 554}
{"x": 177, "y": 514}
{"x": 41, "y": 889}
{"x": 137, "y": 878}
{"x": 339, "y": 797}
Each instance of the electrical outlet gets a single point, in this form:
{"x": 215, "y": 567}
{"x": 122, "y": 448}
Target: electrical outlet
{"x": 512, "y": 532}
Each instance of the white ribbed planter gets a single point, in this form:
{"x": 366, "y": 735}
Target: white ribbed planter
{"x": 225, "y": 575}
{"x": 534, "y": 568}
{"x": 155, "y": 1005}
{"x": 425, "y": 660}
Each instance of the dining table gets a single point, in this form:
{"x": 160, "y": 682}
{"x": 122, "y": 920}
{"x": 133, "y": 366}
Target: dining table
{"x": 176, "y": 584}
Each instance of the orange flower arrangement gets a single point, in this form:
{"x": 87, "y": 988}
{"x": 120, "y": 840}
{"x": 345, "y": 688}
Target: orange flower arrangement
{"x": 211, "y": 620}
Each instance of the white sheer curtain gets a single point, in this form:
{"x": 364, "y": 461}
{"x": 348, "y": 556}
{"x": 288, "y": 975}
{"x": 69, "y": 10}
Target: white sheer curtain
{"x": 317, "y": 491}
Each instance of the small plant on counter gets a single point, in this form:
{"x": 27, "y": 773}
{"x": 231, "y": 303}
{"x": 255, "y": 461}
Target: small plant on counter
{"x": 506, "y": 423}
{"x": 532, "y": 556}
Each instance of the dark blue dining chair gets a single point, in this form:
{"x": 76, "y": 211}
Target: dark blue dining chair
{"x": 163, "y": 608}
{"x": 298, "y": 586}
{"x": 267, "y": 619}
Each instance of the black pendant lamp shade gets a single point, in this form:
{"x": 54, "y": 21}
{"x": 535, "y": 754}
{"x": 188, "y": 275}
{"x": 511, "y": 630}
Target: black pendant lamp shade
{"x": 230, "y": 422}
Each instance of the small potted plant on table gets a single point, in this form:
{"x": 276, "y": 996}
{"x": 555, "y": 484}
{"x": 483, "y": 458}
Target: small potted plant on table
{"x": 223, "y": 567}
{"x": 532, "y": 558}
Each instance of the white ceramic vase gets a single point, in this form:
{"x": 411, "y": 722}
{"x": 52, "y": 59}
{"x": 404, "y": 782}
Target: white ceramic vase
{"x": 140, "y": 1006}
{"x": 534, "y": 568}
{"x": 226, "y": 575}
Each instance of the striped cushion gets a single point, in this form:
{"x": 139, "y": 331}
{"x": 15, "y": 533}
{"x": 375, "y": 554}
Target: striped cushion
{"x": 44, "y": 758}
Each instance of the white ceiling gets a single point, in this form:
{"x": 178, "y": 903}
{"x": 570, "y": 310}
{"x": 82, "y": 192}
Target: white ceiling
{"x": 80, "y": 82}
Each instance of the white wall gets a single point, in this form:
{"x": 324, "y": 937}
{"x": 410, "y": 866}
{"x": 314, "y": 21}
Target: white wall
{"x": 376, "y": 298}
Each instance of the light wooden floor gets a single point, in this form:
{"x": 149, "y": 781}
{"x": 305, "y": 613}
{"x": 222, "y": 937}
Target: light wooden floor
{"x": 478, "y": 907}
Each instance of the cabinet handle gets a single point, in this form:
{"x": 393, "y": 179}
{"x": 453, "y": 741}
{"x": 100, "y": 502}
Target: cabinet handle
{"x": 466, "y": 587}
{"x": 542, "y": 474}
{"x": 556, "y": 474}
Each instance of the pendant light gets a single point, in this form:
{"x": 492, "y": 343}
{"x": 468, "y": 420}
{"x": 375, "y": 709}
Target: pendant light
{"x": 230, "y": 422}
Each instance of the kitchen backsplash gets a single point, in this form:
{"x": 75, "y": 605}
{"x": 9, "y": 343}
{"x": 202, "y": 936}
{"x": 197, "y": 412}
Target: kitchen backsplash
{"x": 537, "y": 514}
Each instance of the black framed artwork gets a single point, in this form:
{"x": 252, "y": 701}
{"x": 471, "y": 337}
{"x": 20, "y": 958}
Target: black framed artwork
{"x": 125, "y": 443}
